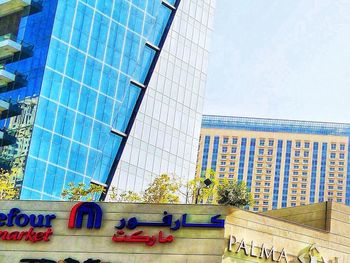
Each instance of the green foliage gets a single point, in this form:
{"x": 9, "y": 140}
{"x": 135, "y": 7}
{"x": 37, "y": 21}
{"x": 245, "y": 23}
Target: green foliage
{"x": 197, "y": 190}
{"x": 163, "y": 190}
{"x": 81, "y": 192}
{"x": 7, "y": 185}
{"x": 166, "y": 189}
{"x": 128, "y": 196}
{"x": 234, "y": 193}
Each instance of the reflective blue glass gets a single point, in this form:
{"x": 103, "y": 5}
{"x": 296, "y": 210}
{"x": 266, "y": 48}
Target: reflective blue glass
{"x": 286, "y": 174}
{"x": 251, "y": 162}
{"x": 242, "y": 159}
{"x": 205, "y": 153}
{"x": 214, "y": 155}
{"x": 313, "y": 172}
{"x": 92, "y": 58}
{"x": 347, "y": 198}
{"x": 276, "y": 183}
{"x": 323, "y": 172}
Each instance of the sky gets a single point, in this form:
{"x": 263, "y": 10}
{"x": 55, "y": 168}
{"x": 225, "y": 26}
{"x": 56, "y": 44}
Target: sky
{"x": 285, "y": 59}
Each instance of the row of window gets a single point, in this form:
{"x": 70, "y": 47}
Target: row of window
{"x": 298, "y": 144}
{"x": 225, "y": 150}
{"x": 338, "y": 194}
{"x": 233, "y": 140}
{"x": 269, "y": 152}
{"x": 303, "y": 192}
{"x": 339, "y": 175}
{"x": 265, "y": 184}
{"x": 223, "y": 163}
{"x": 332, "y": 163}
{"x": 230, "y": 176}
{"x": 305, "y": 161}
{"x": 223, "y": 169}
{"x": 232, "y": 157}
{"x": 341, "y": 146}
{"x": 334, "y": 146}
{"x": 331, "y": 187}
{"x": 256, "y": 209}
{"x": 297, "y": 153}
{"x": 295, "y": 167}
{"x": 331, "y": 181}
{"x": 296, "y": 179}
{"x": 266, "y": 190}
{"x": 334, "y": 156}
{"x": 267, "y": 178}
{"x": 270, "y": 143}
{"x": 257, "y": 196}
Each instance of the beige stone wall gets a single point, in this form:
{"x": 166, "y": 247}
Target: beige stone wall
{"x": 334, "y": 245}
{"x": 315, "y": 215}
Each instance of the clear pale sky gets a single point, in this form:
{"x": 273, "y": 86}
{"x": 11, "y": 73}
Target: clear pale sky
{"x": 285, "y": 59}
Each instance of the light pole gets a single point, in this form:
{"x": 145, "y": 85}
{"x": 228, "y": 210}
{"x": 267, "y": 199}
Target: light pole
{"x": 206, "y": 183}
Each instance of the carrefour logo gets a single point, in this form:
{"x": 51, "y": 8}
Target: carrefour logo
{"x": 16, "y": 218}
{"x": 93, "y": 212}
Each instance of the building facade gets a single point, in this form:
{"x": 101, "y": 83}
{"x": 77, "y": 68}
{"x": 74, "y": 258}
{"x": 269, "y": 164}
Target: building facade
{"x": 72, "y": 77}
{"x": 283, "y": 162}
{"x": 165, "y": 135}
{"x": 317, "y": 233}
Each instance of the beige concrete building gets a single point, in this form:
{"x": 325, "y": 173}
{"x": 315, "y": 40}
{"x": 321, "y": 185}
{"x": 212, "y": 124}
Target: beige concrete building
{"x": 284, "y": 163}
{"x": 65, "y": 232}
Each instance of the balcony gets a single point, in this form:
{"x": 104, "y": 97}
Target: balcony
{"x": 8, "y": 46}
{"x": 5, "y": 138}
{"x": 8, "y": 7}
{"x": 6, "y": 77}
{"x": 9, "y": 109}
{"x": 10, "y": 81}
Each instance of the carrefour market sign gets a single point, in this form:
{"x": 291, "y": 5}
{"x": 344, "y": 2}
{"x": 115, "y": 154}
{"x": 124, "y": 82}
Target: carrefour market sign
{"x": 15, "y": 218}
{"x": 39, "y": 227}
{"x": 17, "y": 226}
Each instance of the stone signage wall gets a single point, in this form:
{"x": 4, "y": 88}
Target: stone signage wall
{"x": 188, "y": 244}
{"x": 302, "y": 243}
{"x": 66, "y": 232}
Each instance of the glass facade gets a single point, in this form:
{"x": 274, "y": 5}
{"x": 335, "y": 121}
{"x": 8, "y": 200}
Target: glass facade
{"x": 314, "y": 172}
{"x": 294, "y": 162}
{"x": 277, "y": 174}
{"x": 286, "y": 174}
{"x": 251, "y": 163}
{"x": 90, "y": 65}
{"x": 242, "y": 159}
{"x": 323, "y": 172}
{"x": 214, "y": 158}
{"x": 165, "y": 136}
{"x": 205, "y": 153}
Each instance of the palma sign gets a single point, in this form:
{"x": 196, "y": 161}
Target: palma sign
{"x": 253, "y": 250}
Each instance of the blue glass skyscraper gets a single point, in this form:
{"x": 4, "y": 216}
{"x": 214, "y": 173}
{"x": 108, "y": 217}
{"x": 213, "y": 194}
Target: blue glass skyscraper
{"x": 72, "y": 76}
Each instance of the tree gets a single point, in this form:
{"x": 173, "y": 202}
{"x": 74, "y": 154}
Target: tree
{"x": 197, "y": 190}
{"x": 164, "y": 189}
{"x": 234, "y": 193}
{"x": 128, "y": 196}
{"x": 8, "y": 191}
{"x": 81, "y": 192}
